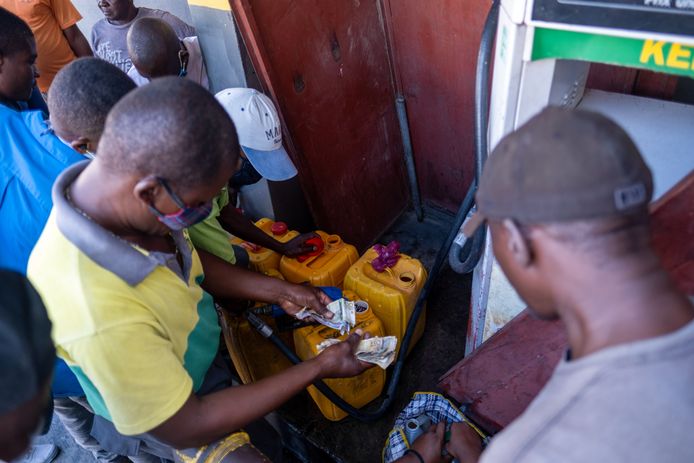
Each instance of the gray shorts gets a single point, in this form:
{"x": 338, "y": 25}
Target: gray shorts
{"x": 262, "y": 435}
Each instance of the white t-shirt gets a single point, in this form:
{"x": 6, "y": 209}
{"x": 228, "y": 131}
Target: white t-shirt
{"x": 109, "y": 40}
{"x": 629, "y": 403}
{"x": 196, "y": 65}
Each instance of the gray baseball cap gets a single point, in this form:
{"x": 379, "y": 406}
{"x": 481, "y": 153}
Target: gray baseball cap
{"x": 27, "y": 354}
{"x": 563, "y": 165}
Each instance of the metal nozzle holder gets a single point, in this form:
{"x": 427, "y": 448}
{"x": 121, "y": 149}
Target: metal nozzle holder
{"x": 415, "y": 427}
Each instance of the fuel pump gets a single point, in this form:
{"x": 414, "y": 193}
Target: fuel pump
{"x": 543, "y": 53}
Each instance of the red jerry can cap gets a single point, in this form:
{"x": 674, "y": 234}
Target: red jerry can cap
{"x": 279, "y": 228}
{"x": 317, "y": 243}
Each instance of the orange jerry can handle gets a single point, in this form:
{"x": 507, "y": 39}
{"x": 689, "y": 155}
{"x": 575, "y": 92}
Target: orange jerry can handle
{"x": 316, "y": 242}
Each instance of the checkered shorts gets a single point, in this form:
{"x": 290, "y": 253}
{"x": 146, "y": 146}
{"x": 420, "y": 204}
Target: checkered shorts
{"x": 436, "y": 406}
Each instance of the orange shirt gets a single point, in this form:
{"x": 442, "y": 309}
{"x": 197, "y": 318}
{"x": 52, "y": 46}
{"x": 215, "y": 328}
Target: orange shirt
{"x": 47, "y": 19}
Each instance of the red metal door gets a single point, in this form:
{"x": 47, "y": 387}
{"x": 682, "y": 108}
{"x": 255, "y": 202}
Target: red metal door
{"x": 435, "y": 45}
{"x": 326, "y": 64}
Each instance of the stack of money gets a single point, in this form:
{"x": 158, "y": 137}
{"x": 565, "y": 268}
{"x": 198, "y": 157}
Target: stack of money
{"x": 344, "y": 315}
{"x": 379, "y": 351}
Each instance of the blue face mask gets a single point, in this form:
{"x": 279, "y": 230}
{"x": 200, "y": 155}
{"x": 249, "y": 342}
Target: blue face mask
{"x": 186, "y": 216}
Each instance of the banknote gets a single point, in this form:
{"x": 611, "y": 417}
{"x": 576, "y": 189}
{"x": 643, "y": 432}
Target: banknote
{"x": 344, "y": 315}
{"x": 378, "y": 350}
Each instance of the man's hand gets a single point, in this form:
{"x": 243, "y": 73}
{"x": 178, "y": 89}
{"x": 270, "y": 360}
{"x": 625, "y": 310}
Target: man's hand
{"x": 296, "y": 297}
{"x": 429, "y": 444}
{"x": 340, "y": 361}
{"x": 298, "y": 246}
{"x": 465, "y": 444}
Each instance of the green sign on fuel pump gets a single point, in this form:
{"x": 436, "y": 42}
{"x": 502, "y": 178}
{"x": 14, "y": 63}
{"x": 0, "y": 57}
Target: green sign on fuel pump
{"x": 656, "y": 55}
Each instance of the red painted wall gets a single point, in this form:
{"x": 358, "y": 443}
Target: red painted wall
{"x": 328, "y": 66}
{"x": 631, "y": 81}
{"x": 435, "y": 45}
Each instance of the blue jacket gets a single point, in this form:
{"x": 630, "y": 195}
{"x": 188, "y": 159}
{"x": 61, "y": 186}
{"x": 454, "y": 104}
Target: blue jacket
{"x": 31, "y": 157}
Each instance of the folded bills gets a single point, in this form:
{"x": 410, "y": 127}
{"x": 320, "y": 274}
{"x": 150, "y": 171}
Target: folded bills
{"x": 380, "y": 351}
{"x": 344, "y": 315}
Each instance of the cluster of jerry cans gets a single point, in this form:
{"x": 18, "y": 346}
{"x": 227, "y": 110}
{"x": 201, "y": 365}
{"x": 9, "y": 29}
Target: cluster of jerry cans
{"x": 391, "y": 296}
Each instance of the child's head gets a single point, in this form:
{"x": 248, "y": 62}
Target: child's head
{"x": 164, "y": 138}
{"x": 18, "y": 71}
{"x": 80, "y": 98}
{"x": 154, "y": 48}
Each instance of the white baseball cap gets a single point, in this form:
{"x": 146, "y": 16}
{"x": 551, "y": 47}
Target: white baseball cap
{"x": 259, "y": 131}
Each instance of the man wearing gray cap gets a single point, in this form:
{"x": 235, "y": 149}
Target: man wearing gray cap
{"x": 26, "y": 365}
{"x": 566, "y": 199}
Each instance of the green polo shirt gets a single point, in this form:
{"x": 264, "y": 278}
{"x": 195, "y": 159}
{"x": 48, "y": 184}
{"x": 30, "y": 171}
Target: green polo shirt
{"x": 209, "y": 235}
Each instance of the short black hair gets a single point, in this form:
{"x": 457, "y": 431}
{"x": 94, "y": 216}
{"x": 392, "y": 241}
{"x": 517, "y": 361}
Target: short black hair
{"x": 152, "y": 43}
{"x": 172, "y": 128}
{"x": 15, "y": 34}
{"x": 604, "y": 240}
{"x": 82, "y": 94}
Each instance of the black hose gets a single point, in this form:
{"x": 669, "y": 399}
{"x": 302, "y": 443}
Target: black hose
{"x": 482, "y": 74}
{"x": 373, "y": 415}
{"x": 481, "y": 113}
{"x": 389, "y": 396}
{"x": 464, "y": 255}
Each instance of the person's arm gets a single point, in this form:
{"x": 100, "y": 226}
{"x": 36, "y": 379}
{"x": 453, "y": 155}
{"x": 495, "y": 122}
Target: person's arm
{"x": 465, "y": 444}
{"x": 205, "y": 419}
{"x": 226, "y": 281}
{"x": 67, "y": 16}
{"x": 427, "y": 446}
{"x": 78, "y": 42}
{"x": 241, "y": 226}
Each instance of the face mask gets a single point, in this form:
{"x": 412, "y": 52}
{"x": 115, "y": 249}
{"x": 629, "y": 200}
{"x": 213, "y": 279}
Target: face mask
{"x": 186, "y": 217}
{"x": 246, "y": 175}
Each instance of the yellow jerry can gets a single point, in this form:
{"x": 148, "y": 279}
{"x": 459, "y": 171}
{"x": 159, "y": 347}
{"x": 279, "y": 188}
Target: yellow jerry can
{"x": 357, "y": 391}
{"x": 328, "y": 268}
{"x": 263, "y": 259}
{"x": 391, "y": 294}
{"x": 254, "y": 356}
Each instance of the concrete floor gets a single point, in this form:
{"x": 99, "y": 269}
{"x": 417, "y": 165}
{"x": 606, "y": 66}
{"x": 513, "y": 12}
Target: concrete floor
{"x": 70, "y": 452}
{"x": 442, "y": 345}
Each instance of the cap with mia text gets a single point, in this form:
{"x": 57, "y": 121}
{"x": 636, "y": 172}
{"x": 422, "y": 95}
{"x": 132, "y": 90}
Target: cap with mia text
{"x": 563, "y": 165}
{"x": 259, "y": 131}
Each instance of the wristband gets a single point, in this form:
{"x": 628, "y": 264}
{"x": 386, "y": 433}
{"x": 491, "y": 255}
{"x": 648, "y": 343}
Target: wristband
{"x": 416, "y": 454}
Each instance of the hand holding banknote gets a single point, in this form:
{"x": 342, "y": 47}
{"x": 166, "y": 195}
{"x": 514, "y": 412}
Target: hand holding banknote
{"x": 343, "y": 315}
{"x": 339, "y": 360}
{"x": 294, "y": 299}
{"x": 378, "y": 350}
